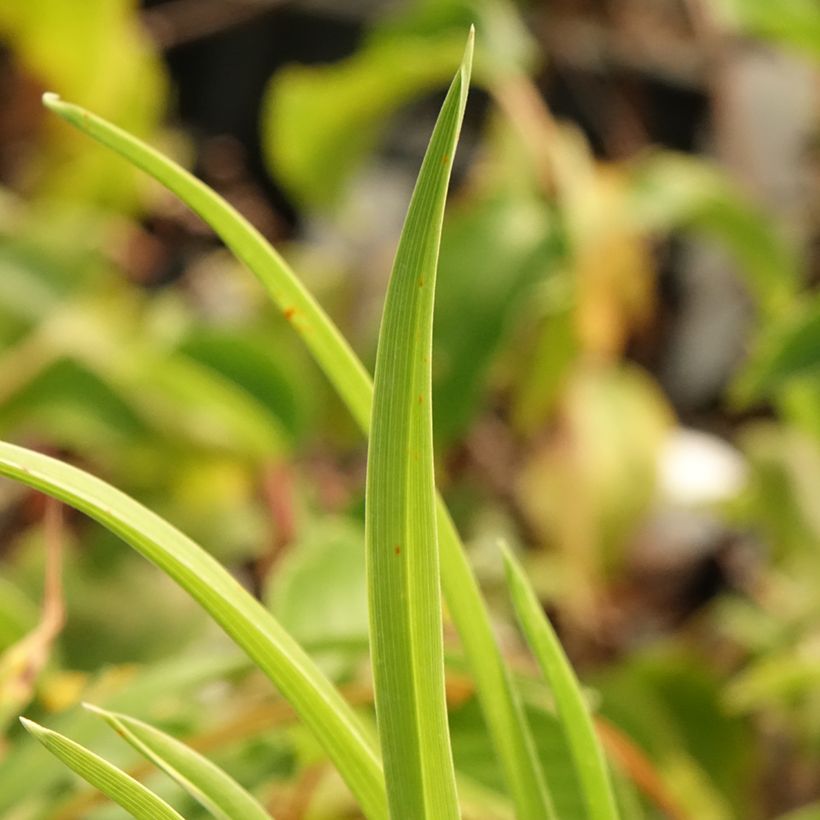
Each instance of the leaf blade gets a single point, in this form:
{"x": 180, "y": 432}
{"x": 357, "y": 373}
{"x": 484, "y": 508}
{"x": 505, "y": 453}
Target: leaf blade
{"x": 217, "y": 791}
{"x": 400, "y": 530}
{"x": 573, "y": 713}
{"x": 135, "y": 798}
{"x": 317, "y": 702}
{"x": 501, "y": 704}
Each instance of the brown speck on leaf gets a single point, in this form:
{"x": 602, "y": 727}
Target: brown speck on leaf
{"x": 289, "y": 313}
{"x": 421, "y": 281}
{"x": 421, "y": 398}
{"x": 397, "y": 549}
{"x": 445, "y": 159}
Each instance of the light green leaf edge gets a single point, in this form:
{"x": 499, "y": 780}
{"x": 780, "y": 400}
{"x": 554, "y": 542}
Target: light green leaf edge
{"x": 500, "y": 702}
{"x": 111, "y": 781}
{"x": 406, "y": 642}
{"x": 573, "y": 713}
{"x": 209, "y": 785}
{"x": 317, "y": 702}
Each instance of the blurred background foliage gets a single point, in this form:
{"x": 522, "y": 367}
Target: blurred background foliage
{"x": 627, "y": 372}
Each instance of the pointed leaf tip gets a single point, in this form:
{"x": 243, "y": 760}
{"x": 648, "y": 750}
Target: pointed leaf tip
{"x": 90, "y": 707}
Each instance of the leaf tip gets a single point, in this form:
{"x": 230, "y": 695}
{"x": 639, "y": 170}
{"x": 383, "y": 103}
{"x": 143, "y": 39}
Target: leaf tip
{"x": 33, "y": 728}
{"x": 467, "y": 59}
{"x": 51, "y": 100}
{"x": 90, "y": 707}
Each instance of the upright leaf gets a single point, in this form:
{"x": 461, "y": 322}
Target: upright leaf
{"x": 502, "y": 709}
{"x": 120, "y": 787}
{"x": 314, "y": 698}
{"x": 573, "y": 712}
{"x": 402, "y": 544}
{"x": 209, "y": 785}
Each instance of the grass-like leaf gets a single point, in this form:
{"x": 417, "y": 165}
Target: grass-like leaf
{"x": 217, "y": 791}
{"x": 137, "y": 800}
{"x": 317, "y": 702}
{"x": 499, "y": 701}
{"x": 586, "y": 750}
{"x": 402, "y": 543}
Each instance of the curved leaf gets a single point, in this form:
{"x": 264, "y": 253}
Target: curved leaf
{"x": 316, "y": 701}
{"x": 402, "y": 545}
{"x": 507, "y": 725}
{"x": 120, "y": 787}
{"x": 219, "y": 793}
{"x": 572, "y": 709}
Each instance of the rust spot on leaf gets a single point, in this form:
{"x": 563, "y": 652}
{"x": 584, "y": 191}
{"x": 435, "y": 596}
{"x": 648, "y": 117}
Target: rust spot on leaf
{"x": 289, "y": 313}
{"x": 397, "y": 549}
{"x": 421, "y": 282}
{"x": 421, "y": 398}
{"x": 445, "y": 159}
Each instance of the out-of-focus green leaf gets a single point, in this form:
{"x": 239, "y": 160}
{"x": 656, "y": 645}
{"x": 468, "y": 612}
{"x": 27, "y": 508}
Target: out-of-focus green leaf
{"x": 491, "y": 254}
{"x": 18, "y": 613}
{"x": 671, "y": 191}
{"x": 777, "y": 678}
{"x": 780, "y": 501}
{"x": 319, "y": 592}
{"x": 120, "y": 787}
{"x": 473, "y": 756}
{"x": 572, "y": 709}
{"x": 668, "y": 704}
{"x": 785, "y": 352}
{"x": 116, "y": 70}
{"x": 613, "y": 421}
{"x": 401, "y": 538}
{"x": 219, "y": 793}
{"x": 319, "y": 122}
{"x": 313, "y": 697}
{"x": 795, "y": 23}
{"x": 279, "y": 384}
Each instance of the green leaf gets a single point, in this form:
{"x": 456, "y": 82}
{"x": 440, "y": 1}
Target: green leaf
{"x": 676, "y": 191}
{"x": 318, "y": 591}
{"x": 316, "y": 701}
{"x": 502, "y": 708}
{"x": 401, "y": 538}
{"x": 320, "y": 121}
{"x": 323, "y": 339}
{"x": 120, "y": 787}
{"x": 572, "y": 709}
{"x": 31, "y": 770}
{"x": 219, "y": 793}
{"x": 789, "y": 349}
{"x": 795, "y": 23}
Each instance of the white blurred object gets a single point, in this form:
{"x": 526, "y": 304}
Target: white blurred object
{"x": 697, "y": 468}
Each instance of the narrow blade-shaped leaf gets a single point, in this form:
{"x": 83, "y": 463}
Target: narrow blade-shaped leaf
{"x": 572, "y": 709}
{"x": 317, "y": 702}
{"x": 502, "y": 709}
{"x": 321, "y": 336}
{"x": 402, "y": 544}
{"x": 217, "y": 791}
{"x": 137, "y": 800}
